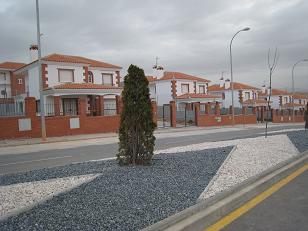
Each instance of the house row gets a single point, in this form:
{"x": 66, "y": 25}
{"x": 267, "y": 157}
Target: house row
{"x": 67, "y": 79}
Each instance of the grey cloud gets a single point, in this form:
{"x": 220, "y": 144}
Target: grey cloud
{"x": 188, "y": 36}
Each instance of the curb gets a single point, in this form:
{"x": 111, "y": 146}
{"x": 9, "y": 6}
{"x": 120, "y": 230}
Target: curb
{"x": 207, "y": 212}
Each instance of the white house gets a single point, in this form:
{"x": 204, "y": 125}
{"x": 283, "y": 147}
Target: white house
{"x": 68, "y": 78}
{"x": 282, "y": 99}
{"x": 243, "y": 94}
{"x": 180, "y": 87}
{"x": 11, "y": 85}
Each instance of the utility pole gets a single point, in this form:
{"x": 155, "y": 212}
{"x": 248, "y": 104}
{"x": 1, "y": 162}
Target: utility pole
{"x": 39, "y": 62}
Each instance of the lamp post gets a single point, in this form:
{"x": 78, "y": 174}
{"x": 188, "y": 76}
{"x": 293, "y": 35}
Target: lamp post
{"x": 232, "y": 89}
{"x": 293, "y": 90}
{"x": 39, "y": 63}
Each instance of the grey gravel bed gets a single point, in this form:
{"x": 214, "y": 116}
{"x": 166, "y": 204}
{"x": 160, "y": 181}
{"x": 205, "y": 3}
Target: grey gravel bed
{"x": 122, "y": 198}
{"x": 299, "y": 139}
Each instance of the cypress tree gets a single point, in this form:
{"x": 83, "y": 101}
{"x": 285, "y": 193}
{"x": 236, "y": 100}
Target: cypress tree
{"x": 136, "y": 137}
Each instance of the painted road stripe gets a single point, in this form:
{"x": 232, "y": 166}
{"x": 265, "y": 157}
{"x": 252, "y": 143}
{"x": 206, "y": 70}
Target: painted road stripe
{"x": 255, "y": 201}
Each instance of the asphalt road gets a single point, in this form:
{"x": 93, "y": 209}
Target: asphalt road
{"x": 285, "y": 210}
{"x": 12, "y": 163}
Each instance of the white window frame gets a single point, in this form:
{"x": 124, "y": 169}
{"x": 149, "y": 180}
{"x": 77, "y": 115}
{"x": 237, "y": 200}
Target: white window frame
{"x": 19, "y": 80}
{"x": 59, "y": 76}
{"x": 202, "y": 87}
{"x": 103, "y": 82}
{"x": 185, "y": 84}
{"x": 247, "y": 93}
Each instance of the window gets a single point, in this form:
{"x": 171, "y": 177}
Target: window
{"x": 202, "y": 89}
{"x": 19, "y": 81}
{"x": 66, "y": 75}
{"x": 110, "y": 107}
{"x": 247, "y": 95}
{"x": 70, "y": 106}
{"x": 90, "y": 77}
{"x": 107, "y": 79}
{"x": 286, "y": 99}
{"x": 3, "y": 76}
{"x": 185, "y": 88}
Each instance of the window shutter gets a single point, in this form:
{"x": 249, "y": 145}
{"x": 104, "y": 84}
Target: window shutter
{"x": 66, "y": 76}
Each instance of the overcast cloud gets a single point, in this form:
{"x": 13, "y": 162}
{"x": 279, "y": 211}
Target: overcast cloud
{"x": 188, "y": 36}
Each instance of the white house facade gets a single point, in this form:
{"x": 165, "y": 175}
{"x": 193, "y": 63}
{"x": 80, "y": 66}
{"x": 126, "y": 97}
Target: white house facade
{"x": 66, "y": 79}
{"x": 181, "y": 88}
{"x": 243, "y": 94}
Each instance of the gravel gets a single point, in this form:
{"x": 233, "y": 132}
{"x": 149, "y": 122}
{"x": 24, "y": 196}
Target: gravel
{"x": 251, "y": 157}
{"x": 299, "y": 139}
{"x": 19, "y": 196}
{"x": 121, "y": 198}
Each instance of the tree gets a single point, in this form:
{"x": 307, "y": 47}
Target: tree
{"x": 271, "y": 67}
{"x": 136, "y": 137}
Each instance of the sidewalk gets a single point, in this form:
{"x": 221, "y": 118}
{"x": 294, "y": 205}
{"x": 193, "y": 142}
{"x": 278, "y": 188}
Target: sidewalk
{"x": 166, "y": 131}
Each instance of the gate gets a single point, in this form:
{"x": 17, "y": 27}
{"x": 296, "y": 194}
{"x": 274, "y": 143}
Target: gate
{"x": 268, "y": 115}
{"x": 185, "y": 115}
{"x": 163, "y": 116}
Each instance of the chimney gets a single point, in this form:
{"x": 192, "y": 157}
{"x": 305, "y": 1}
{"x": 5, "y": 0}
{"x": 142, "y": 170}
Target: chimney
{"x": 263, "y": 88}
{"x": 33, "y": 52}
{"x": 227, "y": 84}
{"x": 221, "y": 82}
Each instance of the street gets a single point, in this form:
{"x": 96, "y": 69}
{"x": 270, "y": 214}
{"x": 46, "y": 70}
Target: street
{"x": 29, "y": 160}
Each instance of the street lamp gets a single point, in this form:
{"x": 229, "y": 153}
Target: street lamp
{"x": 232, "y": 89}
{"x": 39, "y": 63}
{"x": 293, "y": 91}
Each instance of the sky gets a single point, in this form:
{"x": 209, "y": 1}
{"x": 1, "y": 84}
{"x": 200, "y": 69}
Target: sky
{"x": 188, "y": 36}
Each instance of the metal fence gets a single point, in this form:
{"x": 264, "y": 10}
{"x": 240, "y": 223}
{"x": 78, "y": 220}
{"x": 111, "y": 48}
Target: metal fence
{"x": 12, "y": 109}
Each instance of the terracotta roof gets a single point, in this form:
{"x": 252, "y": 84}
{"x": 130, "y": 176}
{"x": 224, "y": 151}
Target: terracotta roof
{"x": 275, "y": 92}
{"x": 11, "y": 65}
{"x": 300, "y": 96}
{"x": 198, "y": 96}
{"x": 215, "y": 87}
{"x": 178, "y": 75}
{"x": 255, "y": 101}
{"x": 151, "y": 78}
{"x": 84, "y": 86}
{"x": 77, "y": 59}
{"x": 236, "y": 86}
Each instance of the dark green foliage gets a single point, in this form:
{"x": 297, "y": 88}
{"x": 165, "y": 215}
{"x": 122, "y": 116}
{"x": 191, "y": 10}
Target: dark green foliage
{"x": 136, "y": 137}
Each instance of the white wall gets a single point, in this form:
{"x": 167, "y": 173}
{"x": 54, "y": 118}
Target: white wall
{"x": 163, "y": 92}
{"x": 180, "y": 82}
{"x": 33, "y": 80}
{"x": 152, "y": 91}
{"x": 53, "y": 78}
{"x": 98, "y": 79}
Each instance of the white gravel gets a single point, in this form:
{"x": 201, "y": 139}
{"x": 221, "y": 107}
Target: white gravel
{"x": 18, "y": 196}
{"x": 251, "y": 157}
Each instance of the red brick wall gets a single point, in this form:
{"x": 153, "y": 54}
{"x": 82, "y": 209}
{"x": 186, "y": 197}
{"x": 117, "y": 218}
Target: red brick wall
{"x": 212, "y": 120}
{"x": 44, "y": 75}
{"x": 86, "y": 74}
{"x": 17, "y": 88}
{"x": 57, "y": 125}
{"x": 278, "y": 118}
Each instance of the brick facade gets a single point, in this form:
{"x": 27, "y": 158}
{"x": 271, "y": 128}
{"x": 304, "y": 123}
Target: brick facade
{"x": 17, "y": 87}
{"x": 44, "y": 76}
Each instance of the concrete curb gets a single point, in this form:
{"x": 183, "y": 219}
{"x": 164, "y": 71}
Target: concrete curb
{"x": 207, "y": 212}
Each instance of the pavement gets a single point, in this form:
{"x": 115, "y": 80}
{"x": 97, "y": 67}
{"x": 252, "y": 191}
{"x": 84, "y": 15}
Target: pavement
{"x": 286, "y": 209}
{"x": 87, "y": 148}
